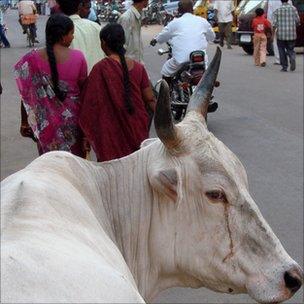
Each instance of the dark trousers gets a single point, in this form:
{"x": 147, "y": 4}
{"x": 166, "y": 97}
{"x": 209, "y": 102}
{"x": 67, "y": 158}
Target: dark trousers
{"x": 3, "y": 37}
{"x": 32, "y": 27}
{"x": 286, "y": 48}
{"x": 225, "y": 30}
{"x": 38, "y": 7}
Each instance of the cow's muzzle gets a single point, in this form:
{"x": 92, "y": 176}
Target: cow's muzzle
{"x": 276, "y": 286}
{"x": 293, "y": 279}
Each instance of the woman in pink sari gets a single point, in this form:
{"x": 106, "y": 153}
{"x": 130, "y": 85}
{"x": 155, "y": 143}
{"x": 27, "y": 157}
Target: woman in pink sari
{"x": 49, "y": 81}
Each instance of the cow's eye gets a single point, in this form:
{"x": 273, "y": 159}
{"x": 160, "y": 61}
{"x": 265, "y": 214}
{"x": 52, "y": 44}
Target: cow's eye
{"x": 216, "y": 195}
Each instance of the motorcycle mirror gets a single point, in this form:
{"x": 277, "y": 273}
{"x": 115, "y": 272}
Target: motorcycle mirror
{"x": 161, "y": 52}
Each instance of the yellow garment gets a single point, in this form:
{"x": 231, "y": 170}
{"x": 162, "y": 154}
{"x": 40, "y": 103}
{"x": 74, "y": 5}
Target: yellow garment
{"x": 86, "y": 39}
{"x": 28, "y": 19}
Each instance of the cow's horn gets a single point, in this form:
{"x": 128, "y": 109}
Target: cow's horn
{"x": 164, "y": 126}
{"x": 201, "y": 97}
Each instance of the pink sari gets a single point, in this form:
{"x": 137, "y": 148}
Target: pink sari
{"x": 54, "y": 123}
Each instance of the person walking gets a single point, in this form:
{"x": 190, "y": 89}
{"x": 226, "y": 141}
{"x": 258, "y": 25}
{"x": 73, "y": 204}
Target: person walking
{"x": 28, "y": 17}
{"x": 92, "y": 14}
{"x": 131, "y": 23}
{"x": 38, "y": 4}
{"x": 261, "y": 26}
{"x": 3, "y": 37}
{"x": 53, "y": 7}
{"x": 285, "y": 21}
{"x": 115, "y": 99}
{"x": 272, "y": 6}
{"x": 49, "y": 81}
{"x": 86, "y": 35}
{"x": 224, "y": 11}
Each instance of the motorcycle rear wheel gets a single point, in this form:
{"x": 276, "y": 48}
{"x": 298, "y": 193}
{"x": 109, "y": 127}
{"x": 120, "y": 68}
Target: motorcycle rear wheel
{"x": 178, "y": 113}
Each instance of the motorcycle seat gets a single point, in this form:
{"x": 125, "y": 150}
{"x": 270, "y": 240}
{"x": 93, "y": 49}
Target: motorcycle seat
{"x": 185, "y": 66}
{"x": 196, "y": 63}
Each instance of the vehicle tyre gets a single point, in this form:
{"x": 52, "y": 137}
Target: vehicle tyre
{"x": 248, "y": 49}
{"x": 234, "y": 39}
{"x": 178, "y": 113}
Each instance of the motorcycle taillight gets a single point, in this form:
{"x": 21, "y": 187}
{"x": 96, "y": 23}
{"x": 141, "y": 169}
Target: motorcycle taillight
{"x": 184, "y": 85}
{"x": 197, "y": 58}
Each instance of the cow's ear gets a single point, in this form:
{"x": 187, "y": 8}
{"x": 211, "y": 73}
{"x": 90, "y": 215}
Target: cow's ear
{"x": 166, "y": 181}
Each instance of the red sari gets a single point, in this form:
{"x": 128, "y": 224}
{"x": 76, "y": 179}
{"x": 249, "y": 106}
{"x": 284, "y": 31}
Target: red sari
{"x": 110, "y": 129}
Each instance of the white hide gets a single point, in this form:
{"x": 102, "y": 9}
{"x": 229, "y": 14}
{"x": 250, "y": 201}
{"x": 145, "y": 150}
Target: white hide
{"x": 54, "y": 247}
{"x": 147, "y": 142}
{"x": 124, "y": 230}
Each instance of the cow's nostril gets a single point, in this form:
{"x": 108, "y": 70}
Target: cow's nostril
{"x": 292, "y": 282}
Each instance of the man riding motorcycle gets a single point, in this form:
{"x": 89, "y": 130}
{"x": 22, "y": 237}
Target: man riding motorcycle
{"x": 28, "y": 17}
{"x": 186, "y": 34}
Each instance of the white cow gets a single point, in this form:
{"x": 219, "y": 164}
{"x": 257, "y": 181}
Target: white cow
{"x": 175, "y": 213}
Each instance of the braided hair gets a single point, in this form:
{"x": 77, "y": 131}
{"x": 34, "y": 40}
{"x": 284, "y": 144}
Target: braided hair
{"x": 57, "y": 26}
{"x": 114, "y": 37}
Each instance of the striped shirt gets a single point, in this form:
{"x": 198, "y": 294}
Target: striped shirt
{"x": 286, "y": 19}
{"x": 130, "y": 20}
{"x": 86, "y": 39}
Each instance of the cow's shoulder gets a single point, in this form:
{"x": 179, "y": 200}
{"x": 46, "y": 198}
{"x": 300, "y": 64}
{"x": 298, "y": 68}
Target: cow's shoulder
{"x": 54, "y": 181}
{"x": 57, "y": 159}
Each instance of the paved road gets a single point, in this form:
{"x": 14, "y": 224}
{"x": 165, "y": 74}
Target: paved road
{"x": 260, "y": 118}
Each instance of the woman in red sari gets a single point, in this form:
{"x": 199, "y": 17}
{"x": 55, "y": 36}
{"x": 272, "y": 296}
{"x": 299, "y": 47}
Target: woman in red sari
{"x": 113, "y": 114}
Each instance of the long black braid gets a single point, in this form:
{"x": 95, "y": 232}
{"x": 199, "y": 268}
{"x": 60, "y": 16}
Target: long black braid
{"x": 57, "y": 26}
{"x": 114, "y": 37}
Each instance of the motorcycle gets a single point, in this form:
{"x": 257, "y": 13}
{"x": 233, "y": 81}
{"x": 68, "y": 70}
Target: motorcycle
{"x": 184, "y": 81}
{"x": 110, "y": 12}
{"x": 104, "y": 12}
{"x": 153, "y": 14}
{"x": 114, "y": 16}
{"x": 166, "y": 17}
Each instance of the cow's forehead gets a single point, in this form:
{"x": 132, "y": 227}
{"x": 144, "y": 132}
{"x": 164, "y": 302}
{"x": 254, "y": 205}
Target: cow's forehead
{"x": 210, "y": 153}
{"x": 213, "y": 155}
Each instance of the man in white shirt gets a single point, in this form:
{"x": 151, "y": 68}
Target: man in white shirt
{"x": 185, "y": 34}
{"x": 86, "y": 32}
{"x": 224, "y": 14}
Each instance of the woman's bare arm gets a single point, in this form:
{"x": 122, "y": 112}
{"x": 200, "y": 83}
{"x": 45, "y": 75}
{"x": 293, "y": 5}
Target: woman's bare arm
{"x": 149, "y": 98}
